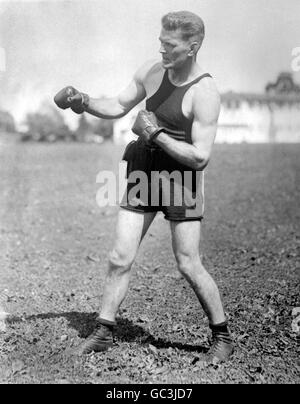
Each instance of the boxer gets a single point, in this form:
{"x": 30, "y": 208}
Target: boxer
{"x": 176, "y": 132}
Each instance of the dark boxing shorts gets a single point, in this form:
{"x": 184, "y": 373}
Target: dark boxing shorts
{"x": 157, "y": 182}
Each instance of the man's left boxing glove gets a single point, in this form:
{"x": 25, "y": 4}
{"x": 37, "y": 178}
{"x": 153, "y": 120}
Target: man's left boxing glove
{"x": 69, "y": 97}
{"x": 146, "y": 126}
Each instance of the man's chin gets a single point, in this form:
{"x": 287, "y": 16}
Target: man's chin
{"x": 166, "y": 65}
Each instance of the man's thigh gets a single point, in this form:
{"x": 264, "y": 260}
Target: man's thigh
{"x": 130, "y": 230}
{"x": 186, "y": 237}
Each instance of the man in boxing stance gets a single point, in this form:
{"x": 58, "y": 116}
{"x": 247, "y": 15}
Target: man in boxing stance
{"x": 176, "y": 133}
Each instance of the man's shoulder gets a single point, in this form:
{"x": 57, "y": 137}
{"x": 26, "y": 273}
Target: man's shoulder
{"x": 149, "y": 69}
{"x": 206, "y": 89}
{"x": 207, "y": 83}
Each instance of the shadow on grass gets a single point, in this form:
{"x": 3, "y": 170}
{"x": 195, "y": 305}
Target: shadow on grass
{"x": 126, "y": 331}
{"x": 130, "y": 332}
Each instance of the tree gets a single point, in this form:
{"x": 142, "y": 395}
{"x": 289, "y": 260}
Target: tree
{"x": 84, "y": 128}
{"x": 104, "y": 128}
{"x": 7, "y": 123}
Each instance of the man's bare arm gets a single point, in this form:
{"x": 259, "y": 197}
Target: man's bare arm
{"x": 117, "y": 107}
{"x": 206, "y": 110}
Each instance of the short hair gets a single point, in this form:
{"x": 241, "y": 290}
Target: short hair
{"x": 190, "y": 24}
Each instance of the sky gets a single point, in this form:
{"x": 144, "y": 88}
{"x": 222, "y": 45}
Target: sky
{"x": 96, "y": 46}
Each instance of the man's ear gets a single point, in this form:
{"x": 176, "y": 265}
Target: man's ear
{"x": 194, "y": 48}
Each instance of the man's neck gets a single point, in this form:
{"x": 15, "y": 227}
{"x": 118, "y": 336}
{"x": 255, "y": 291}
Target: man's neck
{"x": 185, "y": 74}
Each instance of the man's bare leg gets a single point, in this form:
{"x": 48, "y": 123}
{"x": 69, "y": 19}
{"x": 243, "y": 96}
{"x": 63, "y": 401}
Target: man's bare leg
{"x": 131, "y": 229}
{"x": 186, "y": 244}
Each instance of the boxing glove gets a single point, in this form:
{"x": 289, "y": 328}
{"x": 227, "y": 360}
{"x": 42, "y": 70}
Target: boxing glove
{"x": 69, "y": 97}
{"x": 146, "y": 125}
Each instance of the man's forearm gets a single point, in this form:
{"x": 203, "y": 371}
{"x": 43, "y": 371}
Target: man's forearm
{"x": 183, "y": 152}
{"x": 108, "y": 108}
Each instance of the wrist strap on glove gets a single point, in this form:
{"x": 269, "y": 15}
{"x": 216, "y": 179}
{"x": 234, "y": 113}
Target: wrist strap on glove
{"x": 79, "y": 105}
{"x": 155, "y": 134}
{"x": 85, "y": 100}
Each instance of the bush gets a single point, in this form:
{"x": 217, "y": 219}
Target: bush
{"x": 47, "y": 126}
{"x": 93, "y": 129}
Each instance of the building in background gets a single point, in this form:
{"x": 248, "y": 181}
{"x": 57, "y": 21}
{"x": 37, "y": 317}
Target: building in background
{"x": 262, "y": 118}
{"x": 271, "y": 117}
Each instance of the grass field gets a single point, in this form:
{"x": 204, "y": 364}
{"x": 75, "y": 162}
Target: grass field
{"x": 53, "y": 257}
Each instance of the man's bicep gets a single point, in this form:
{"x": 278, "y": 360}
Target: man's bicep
{"x": 132, "y": 95}
{"x": 206, "y": 113}
{"x": 135, "y": 92}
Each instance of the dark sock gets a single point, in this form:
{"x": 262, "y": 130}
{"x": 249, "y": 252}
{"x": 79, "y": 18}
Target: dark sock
{"x": 222, "y": 327}
{"x": 107, "y": 323}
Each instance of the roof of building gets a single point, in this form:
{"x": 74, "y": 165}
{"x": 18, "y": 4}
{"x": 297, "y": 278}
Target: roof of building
{"x": 283, "y": 91}
{"x": 261, "y": 98}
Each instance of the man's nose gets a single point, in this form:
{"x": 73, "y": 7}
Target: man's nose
{"x": 162, "y": 49}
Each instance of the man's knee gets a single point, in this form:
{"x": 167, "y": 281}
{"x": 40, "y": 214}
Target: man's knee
{"x": 120, "y": 260}
{"x": 188, "y": 264}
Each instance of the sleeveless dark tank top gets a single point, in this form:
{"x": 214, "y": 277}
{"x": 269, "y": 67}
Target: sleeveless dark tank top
{"x": 166, "y": 103}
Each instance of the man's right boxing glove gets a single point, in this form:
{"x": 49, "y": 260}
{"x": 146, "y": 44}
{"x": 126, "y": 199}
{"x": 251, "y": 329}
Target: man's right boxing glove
{"x": 146, "y": 126}
{"x": 69, "y": 97}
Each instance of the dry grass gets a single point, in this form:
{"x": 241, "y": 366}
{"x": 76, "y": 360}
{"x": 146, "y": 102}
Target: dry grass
{"x": 54, "y": 241}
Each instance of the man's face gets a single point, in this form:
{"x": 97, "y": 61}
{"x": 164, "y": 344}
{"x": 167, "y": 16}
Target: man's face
{"x": 174, "y": 49}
